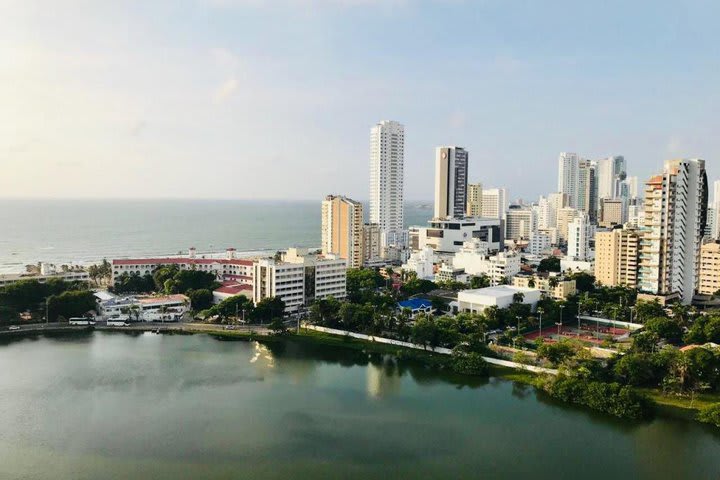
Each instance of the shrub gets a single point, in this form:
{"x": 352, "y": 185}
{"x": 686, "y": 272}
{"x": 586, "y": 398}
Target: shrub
{"x": 469, "y": 363}
{"x": 710, "y": 414}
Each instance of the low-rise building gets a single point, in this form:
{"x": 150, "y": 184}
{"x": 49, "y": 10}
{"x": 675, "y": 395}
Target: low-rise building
{"x": 69, "y": 276}
{"x": 232, "y": 289}
{"x": 416, "y": 306}
{"x": 299, "y": 277}
{"x": 474, "y": 258}
{"x": 553, "y": 285}
{"x": 448, "y": 273}
{"x": 501, "y": 296}
{"x": 448, "y": 235}
{"x": 421, "y": 262}
{"x": 143, "y": 308}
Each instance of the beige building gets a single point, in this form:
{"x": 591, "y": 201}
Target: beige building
{"x": 564, "y": 217}
{"x": 555, "y": 286}
{"x": 616, "y": 257}
{"x": 372, "y": 244}
{"x": 342, "y": 229}
{"x": 474, "y": 200}
{"x": 709, "y": 268}
{"x": 611, "y": 213}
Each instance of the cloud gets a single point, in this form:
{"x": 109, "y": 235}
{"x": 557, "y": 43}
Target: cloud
{"x": 226, "y": 90}
{"x": 224, "y": 58}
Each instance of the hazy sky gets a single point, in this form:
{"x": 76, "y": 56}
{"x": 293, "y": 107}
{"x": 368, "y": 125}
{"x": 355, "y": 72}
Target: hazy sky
{"x": 275, "y": 98}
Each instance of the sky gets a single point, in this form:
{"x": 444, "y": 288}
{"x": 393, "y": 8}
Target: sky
{"x": 275, "y": 99}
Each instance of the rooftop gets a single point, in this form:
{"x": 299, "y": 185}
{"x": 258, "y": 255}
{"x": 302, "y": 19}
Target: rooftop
{"x": 182, "y": 260}
{"x": 415, "y": 303}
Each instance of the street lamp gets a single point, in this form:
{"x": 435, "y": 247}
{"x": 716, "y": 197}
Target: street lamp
{"x": 540, "y": 313}
{"x": 559, "y": 325}
{"x": 562, "y": 307}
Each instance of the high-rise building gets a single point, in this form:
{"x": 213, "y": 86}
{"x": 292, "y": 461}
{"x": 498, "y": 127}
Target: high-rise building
{"x": 372, "y": 244}
{"x": 675, "y": 218}
{"x": 387, "y": 154}
{"x": 494, "y": 203}
{"x": 616, "y": 257}
{"x": 474, "y": 200}
{"x": 709, "y": 282}
{"x": 611, "y": 174}
{"x": 519, "y": 222}
{"x": 579, "y": 233}
{"x": 612, "y": 212}
{"x": 568, "y": 176}
{"x": 342, "y": 229}
{"x": 564, "y": 217}
{"x": 587, "y": 189}
{"x": 632, "y": 187}
{"x": 451, "y": 165}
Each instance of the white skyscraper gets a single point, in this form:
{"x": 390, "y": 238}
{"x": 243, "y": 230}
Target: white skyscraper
{"x": 494, "y": 203}
{"x": 387, "y": 154}
{"x": 632, "y": 186}
{"x": 579, "y": 233}
{"x": 451, "y": 165}
{"x": 568, "y": 176}
{"x": 675, "y": 219}
{"x": 611, "y": 173}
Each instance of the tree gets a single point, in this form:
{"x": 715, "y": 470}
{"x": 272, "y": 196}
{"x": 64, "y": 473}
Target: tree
{"x": 415, "y": 286}
{"x": 518, "y": 297}
{"x": 665, "y": 329}
{"x": 469, "y": 363}
{"x": 710, "y": 414}
{"x": 646, "y": 310}
{"x": 278, "y": 326}
{"x": 133, "y": 283}
{"x": 557, "y": 353}
{"x": 551, "y": 264}
{"x": 638, "y": 369}
{"x": 483, "y": 281}
{"x": 268, "y": 309}
{"x": 584, "y": 282}
{"x": 236, "y": 306}
{"x": 200, "y": 299}
{"x": 72, "y": 303}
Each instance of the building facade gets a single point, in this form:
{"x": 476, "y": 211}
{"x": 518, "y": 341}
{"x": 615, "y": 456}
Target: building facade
{"x": 579, "y": 234}
{"x": 342, "y": 229}
{"x": 616, "y": 257}
{"x": 519, "y": 222}
{"x": 451, "y": 183}
{"x": 387, "y": 158}
{"x": 494, "y": 203}
{"x": 675, "y": 218}
{"x": 709, "y": 282}
{"x": 448, "y": 236}
{"x": 474, "y": 200}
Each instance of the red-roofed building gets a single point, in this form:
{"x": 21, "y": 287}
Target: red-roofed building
{"x": 231, "y": 289}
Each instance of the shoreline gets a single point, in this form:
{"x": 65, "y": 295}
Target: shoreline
{"x": 667, "y": 407}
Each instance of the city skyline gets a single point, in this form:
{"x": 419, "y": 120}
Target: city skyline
{"x": 225, "y": 101}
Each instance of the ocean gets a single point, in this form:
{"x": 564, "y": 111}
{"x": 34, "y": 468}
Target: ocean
{"x": 86, "y": 231}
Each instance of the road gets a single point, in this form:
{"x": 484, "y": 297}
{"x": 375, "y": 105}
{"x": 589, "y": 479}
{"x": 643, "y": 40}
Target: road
{"x": 140, "y": 326}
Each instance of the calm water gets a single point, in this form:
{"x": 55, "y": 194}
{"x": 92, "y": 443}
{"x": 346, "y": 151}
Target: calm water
{"x": 64, "y": 231}
{"x": 116, "y": 406}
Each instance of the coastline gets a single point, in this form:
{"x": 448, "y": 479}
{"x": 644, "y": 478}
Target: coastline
{"x": 664, "y": 406}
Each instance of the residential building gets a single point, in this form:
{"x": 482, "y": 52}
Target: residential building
{"x": 675, "y": 218}
{"x": 451, "y": 167}
{"x": 299, "y": 278}
{"x": 553, "y": 285}
{"x": 716, "y": 208}
{"x": 565, "y": 216}
{"x": 475, "y": 259}
{"x": 232, "y": 289}
{"x": 519, "y": 222}
{"x": 709, "y": 282}
{"x": 500, "y": 296}
{"x": 587, "y": 189}
{"x": 372, "y": 245}
{"x": 710, "y": 227}
{"x": 387, "y": 156}
{"x": 540, "y": 242}
{"x": 632, "y": 187}
{"x": 225, "y": 269}
{"x": 494, "y": 203}
{"x": 75, "y": 275}
{"x": 342, "y": 229}
{"x": 568, "y": 176}
{"x": 447, "y": 236}
{"x": 611, "y": 174}
{"x": 474, "y": 200}
{"x": 612, "y": 212}
{"x": 616, "y": 257}
{"x": 448, "y": 273}
{"x": 579, "y": 234}
{"x": 421, "y": 262}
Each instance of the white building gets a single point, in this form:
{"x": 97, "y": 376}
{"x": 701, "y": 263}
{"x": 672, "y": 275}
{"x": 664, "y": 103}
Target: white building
{"x": 225, "y": 269}
{"x": 421, "y": 262}
{"x": 519, "y": 222}
{"x": 539, "y": 243}
{"x": 161, "y": 308}
{"x": 451, "y": 166}
{"x": 675, "y": 219}
{"x": 716, "y": 209}
{"x": 611, "y": 173}
{"x": 568, "y": 176}
{"x": 579, "y": 234}
{"x": 494, "y": 203}
{"x": 501, "y": 296}
{"x": 475, "y": 259}
{"x": 387, "y": 157}
{"x": 447, "y": 236}
{"x": 299, "y": 278}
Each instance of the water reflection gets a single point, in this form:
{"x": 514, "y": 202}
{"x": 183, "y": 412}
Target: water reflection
{"x": 383, "y": 377}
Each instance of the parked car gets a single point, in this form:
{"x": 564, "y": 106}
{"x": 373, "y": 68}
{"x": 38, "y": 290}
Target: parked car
{"x": 14, "y": 327}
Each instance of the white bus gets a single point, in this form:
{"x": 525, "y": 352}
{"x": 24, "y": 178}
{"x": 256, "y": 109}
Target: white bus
{"x": 81, "y": 321}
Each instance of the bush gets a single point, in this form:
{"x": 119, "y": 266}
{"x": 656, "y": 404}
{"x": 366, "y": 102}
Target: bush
{"x": 710, "y": 414}
{"x": 611, "y": 398}
{"x": 469, "y": 363}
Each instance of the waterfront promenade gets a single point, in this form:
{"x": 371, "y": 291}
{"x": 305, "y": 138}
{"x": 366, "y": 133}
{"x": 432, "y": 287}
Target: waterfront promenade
{"x": 188, "y": 327}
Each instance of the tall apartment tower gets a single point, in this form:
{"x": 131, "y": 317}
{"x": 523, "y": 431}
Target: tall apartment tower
{"x": 451, "y": 166}
{"x": 611, "y": 174}
{"x": 387, "y": 154}
{"x": 616, "y": 257}
{"x": 474, "y": 200}
{"x": 494, "y": 203}
{"x": 568, "y": 176}
{"x": 579, "y": 233}
{"x": 587, "y": 189}
{"x": 342, "y": 229}
{"x": 675, "y": 218}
